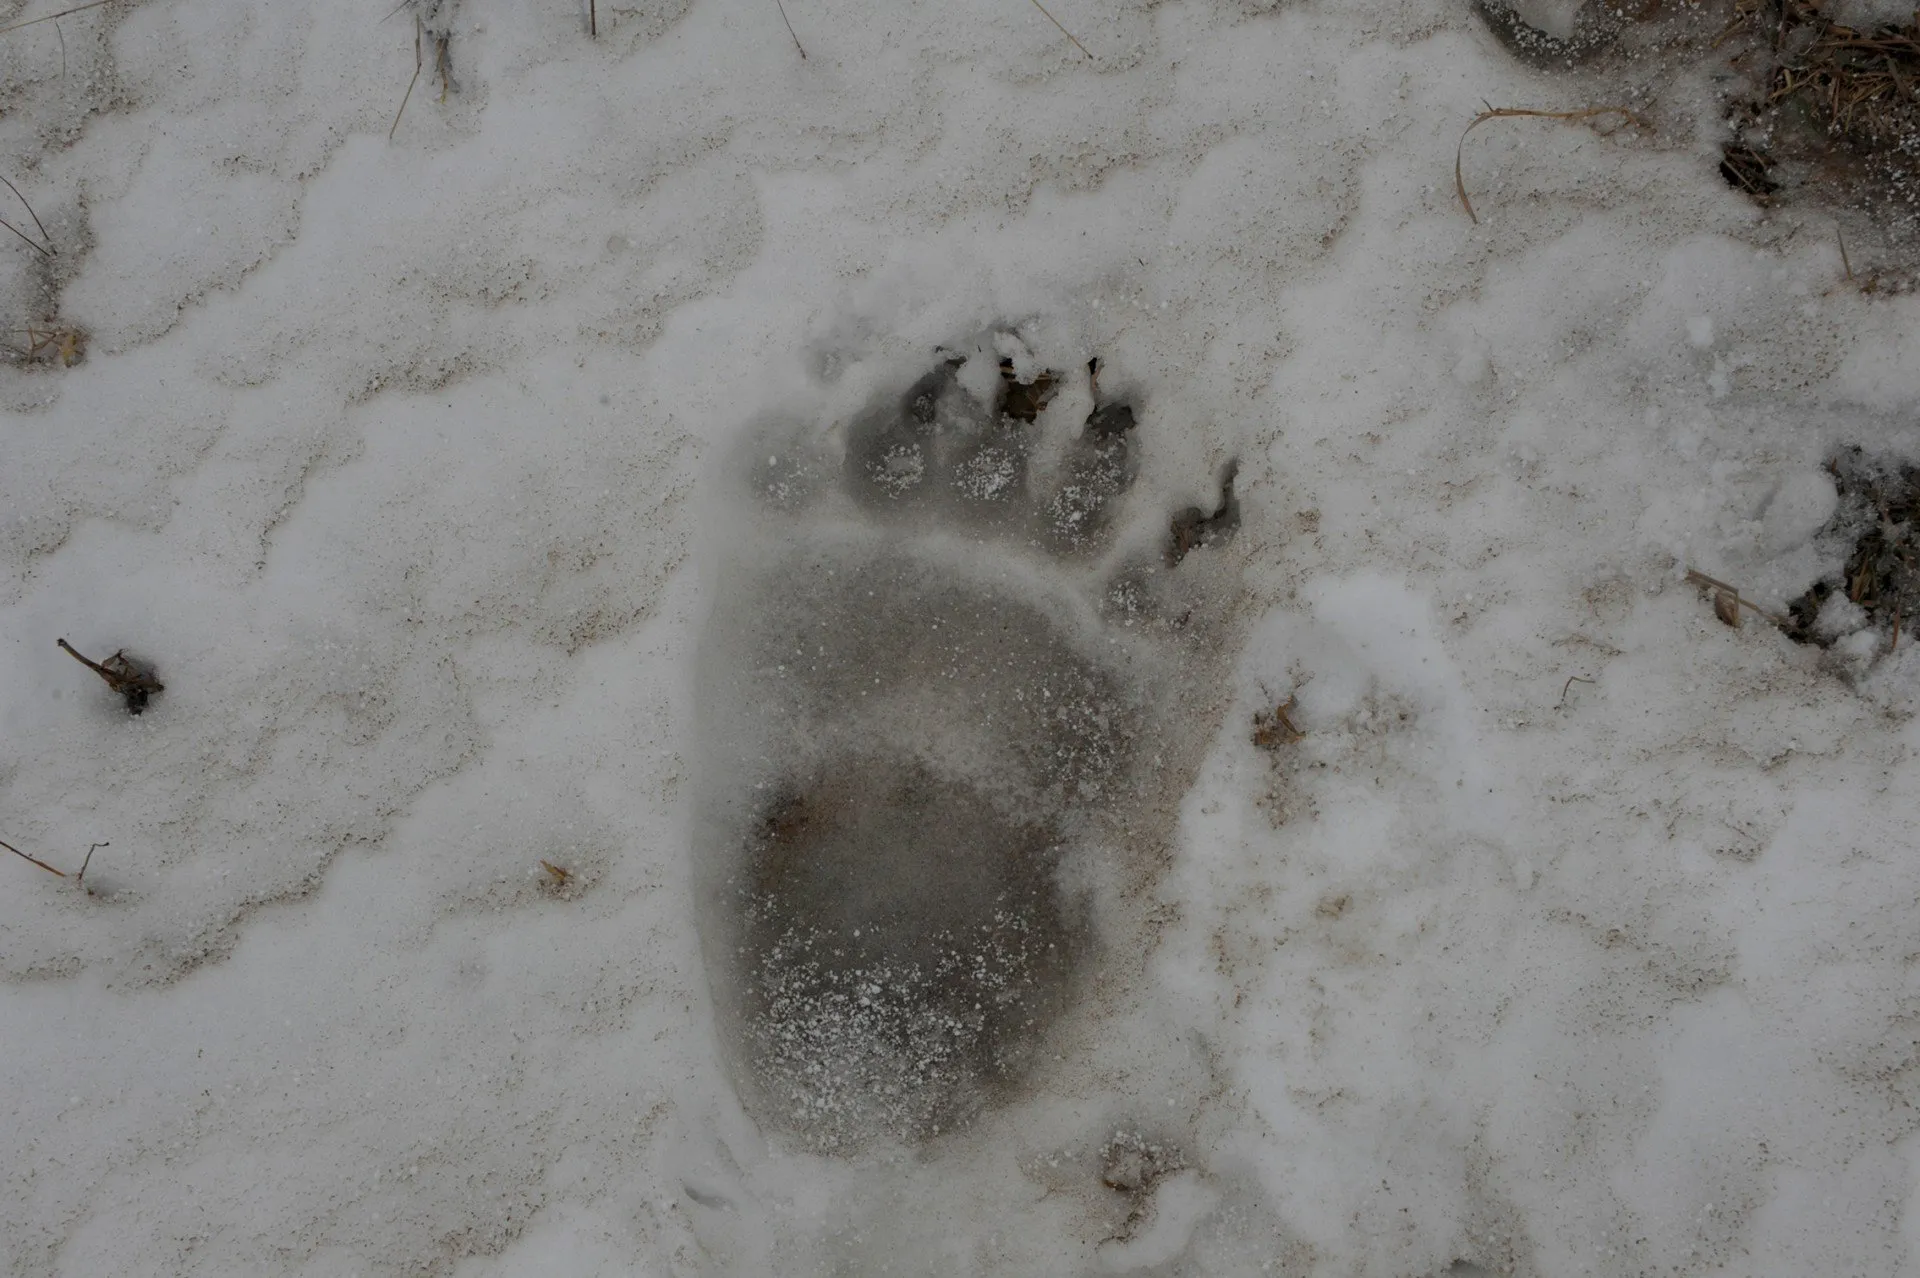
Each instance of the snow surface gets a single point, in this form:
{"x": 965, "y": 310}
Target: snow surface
{"x": 1577, "y": 934}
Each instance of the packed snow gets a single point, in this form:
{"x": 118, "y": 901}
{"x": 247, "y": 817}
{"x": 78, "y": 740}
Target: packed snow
{"x": 1391, "y": 862}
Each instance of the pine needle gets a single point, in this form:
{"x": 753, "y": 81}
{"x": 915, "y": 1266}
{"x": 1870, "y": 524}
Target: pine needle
{"x": 417, "y": 60}
{"x": 46, "y": 249}
{"x": 43, "y": 250}
{"x": 36, "y": 860}
{"x": 1504, "y": 113}
{"x": 1063, "y": 31}
{"x": 796, "y": 39}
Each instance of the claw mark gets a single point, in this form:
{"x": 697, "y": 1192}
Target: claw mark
{"x": 1194, "y": 527}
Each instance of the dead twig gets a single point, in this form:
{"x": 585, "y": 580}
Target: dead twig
{"x": 1844, "y": 262}
{"x": 52, "y": 17}
{"x": 81, "y": 877}
{"x": 593, "y": 19}
{"x": 1507, "y": 113}
{"x": 36, "y": 860}
{"x": 417, "y": 63}
{"x": 1567, "y": 687}
{"x": 1063, "y": 31}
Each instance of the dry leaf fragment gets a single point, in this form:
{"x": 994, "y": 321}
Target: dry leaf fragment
{"x": 1274, "y": 728}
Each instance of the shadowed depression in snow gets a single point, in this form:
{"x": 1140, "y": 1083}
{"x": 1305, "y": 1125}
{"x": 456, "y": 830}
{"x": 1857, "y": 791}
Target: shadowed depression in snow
{"x": 917, "y": 714}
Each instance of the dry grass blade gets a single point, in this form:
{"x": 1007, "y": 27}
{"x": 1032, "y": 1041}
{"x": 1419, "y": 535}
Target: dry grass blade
{"x": 417, "y": 62}
{"x": 1063, "y": 31}
{"x": 1507, "y": 113}
{"x": 1727, "y": 601}
{"x": 81, "y": 8}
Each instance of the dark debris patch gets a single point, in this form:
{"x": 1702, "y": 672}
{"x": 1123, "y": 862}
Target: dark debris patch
{"x": 1131, "y": 1163}
{"x": 1817, "y": 112}
{"x": 1875, "y": 525}
{"x": 1274, "y": 728}
{"x": 1596, "y": 27}
{"x": 1749, "y": 170}
{"x": 1023, "y": 401}
{"x": 132, "y": 680}
{"x": 1837, "y": 105}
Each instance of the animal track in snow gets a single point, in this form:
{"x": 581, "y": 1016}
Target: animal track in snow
{"x": 948, "y": 683}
